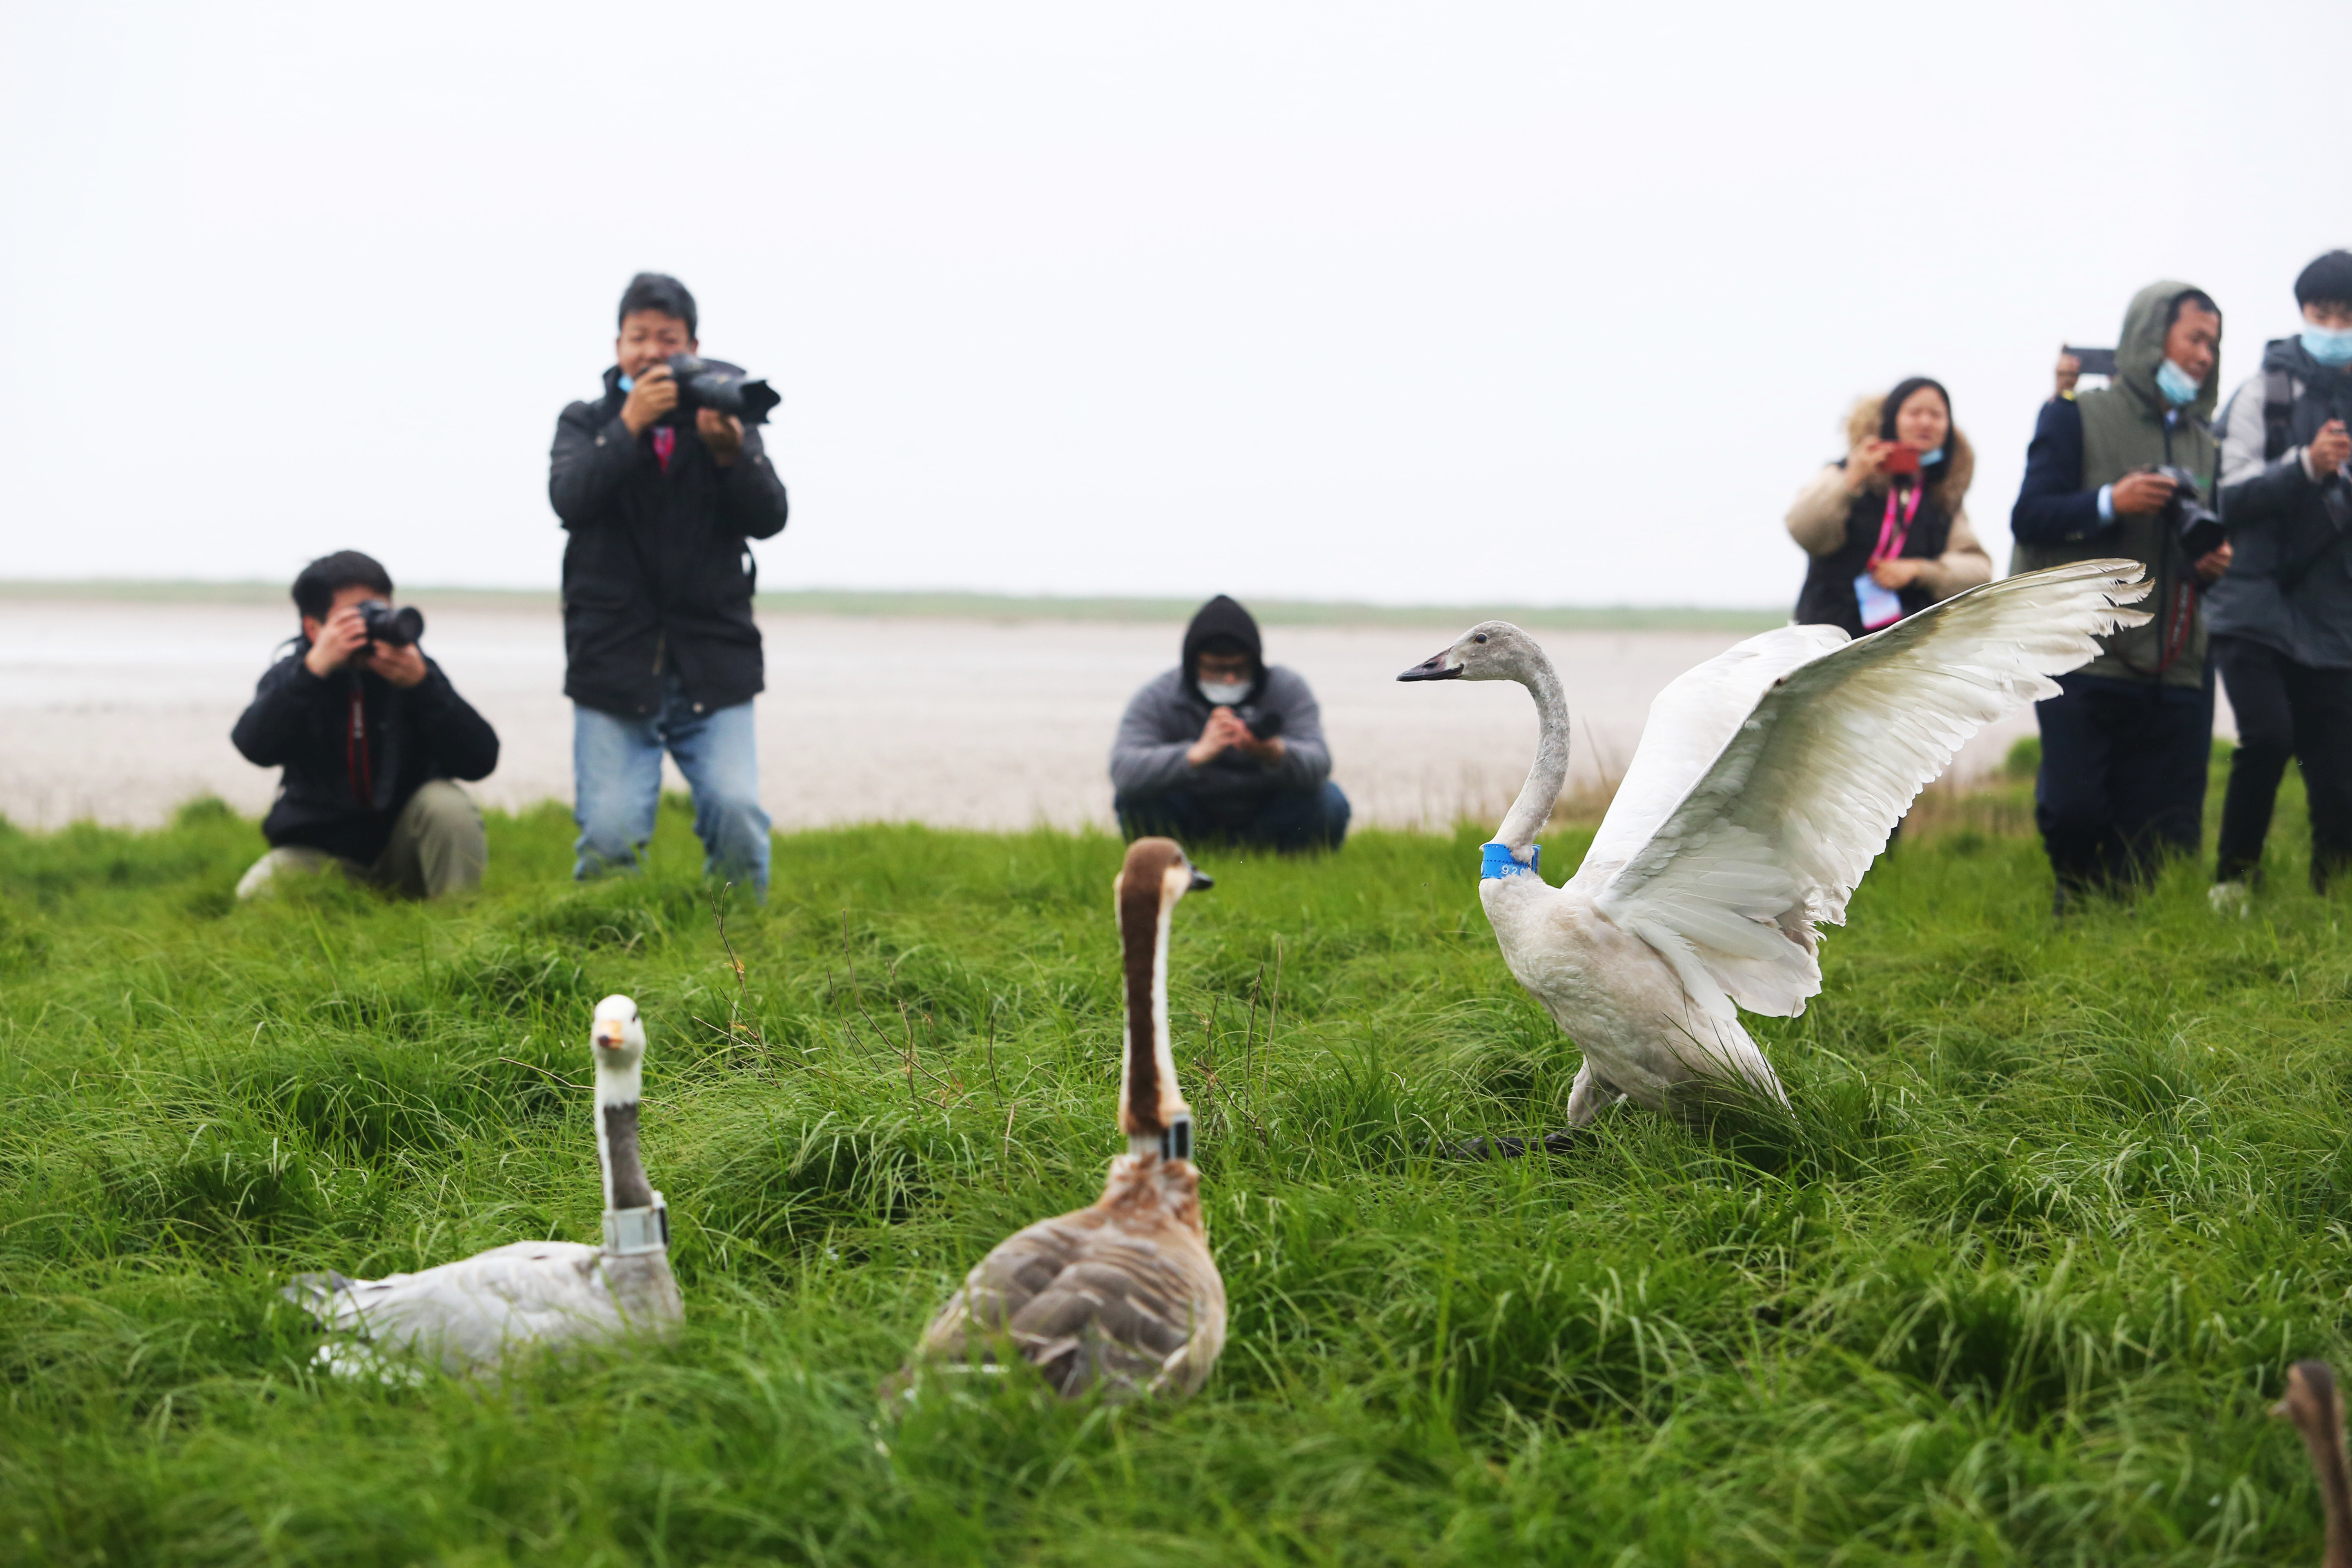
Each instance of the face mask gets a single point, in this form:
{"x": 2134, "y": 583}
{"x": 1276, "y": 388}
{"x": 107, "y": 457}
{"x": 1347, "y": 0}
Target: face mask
{"x": 2179, "y": 387}
{"x": 1929, "y": 459}
{"x": 1224, "y": 693}
{"x": 2331, "y": 346}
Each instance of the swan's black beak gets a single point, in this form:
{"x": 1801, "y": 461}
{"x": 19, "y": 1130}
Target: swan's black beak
{"x": 1201, "y": 880}
{"x": 1432, "y": 668}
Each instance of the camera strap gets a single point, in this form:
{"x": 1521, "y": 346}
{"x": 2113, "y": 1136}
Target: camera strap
{"x": 1893, "y": 535}
{"x": 356, "y": 762}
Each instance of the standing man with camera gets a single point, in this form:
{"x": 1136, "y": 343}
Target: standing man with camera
{"x": 2125, "y": 747}
{"x": 369, "y": 733}
{"x": 2281, "y": 616}
{"x": 660, "y": 491}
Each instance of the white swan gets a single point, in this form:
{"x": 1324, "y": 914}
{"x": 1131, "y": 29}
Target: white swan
{"x": 1766, "y": 781}
{"x": 1122, "y": 1296}
{"x": 468, "y": 1314}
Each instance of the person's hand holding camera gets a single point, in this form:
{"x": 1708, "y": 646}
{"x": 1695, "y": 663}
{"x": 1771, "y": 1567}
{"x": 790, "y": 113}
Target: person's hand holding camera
{"x": 2070, "y": 372}
{"x": 1862, "y": 464}
{"x": 652, "y": 395}
{"x": 403, "y": 664}
{"x": 2328, "y": 451}
{"x": 2213, "y": 562}
{"x": 2141, "y": 494}
{"x": 1223, "y": 730}
{"x": 341, "y": 640}
{"x": 721, "y": 433}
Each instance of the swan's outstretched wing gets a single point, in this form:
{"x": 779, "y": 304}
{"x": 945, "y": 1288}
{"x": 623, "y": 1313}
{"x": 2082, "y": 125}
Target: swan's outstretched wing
{"x": 1689, "y": 723}
{"x": 1776, "y": 833}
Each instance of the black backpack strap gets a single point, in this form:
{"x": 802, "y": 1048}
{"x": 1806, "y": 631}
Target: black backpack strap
{"x": 2278, "y": 415}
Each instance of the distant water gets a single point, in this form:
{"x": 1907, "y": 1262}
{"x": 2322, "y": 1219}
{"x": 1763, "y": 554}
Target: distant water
{"x": 119, "y": 712}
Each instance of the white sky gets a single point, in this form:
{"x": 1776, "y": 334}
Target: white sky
{"x": 1433, "y": 302}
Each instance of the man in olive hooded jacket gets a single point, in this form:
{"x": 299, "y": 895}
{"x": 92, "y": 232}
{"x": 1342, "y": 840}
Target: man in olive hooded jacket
{"x": 2125, "y": 747}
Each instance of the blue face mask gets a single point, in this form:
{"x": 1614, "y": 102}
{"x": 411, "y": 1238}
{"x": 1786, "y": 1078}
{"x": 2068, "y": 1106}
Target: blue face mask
{"x": 2330, "y": 346}
{"x": 1929, "y": 459}
{"x": 2179, "y": 387}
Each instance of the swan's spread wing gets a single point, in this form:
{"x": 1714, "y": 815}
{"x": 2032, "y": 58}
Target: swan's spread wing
{"x": 1689, "y": 722}
{"x": 470, "y": 1310}
{"x": 1777, "y": 832}
{"x": 1086, "y": 1303}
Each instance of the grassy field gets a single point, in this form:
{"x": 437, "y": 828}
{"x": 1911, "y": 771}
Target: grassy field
{"x": 2016, "y": 1283}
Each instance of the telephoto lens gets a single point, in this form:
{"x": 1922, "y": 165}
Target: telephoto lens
{"x": 702, "y": 385}
{"x": 397, "y": 628}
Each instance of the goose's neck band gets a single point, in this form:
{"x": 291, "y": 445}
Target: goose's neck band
{"x": 1496, "y": 862}
{"x": 631, "y": 1232}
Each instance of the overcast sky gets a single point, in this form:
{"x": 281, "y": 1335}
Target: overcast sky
{"x": 1433, "y": 302}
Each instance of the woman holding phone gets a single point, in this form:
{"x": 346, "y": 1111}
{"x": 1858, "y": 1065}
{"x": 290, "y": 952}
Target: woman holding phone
{"x": 1884, "y": 524}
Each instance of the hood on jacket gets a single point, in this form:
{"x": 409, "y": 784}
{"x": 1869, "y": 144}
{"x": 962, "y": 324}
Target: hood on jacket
{"x": 2140, "y": 349}
{"x": 1223, "y": 617}
{"x": 1868, "y": 417}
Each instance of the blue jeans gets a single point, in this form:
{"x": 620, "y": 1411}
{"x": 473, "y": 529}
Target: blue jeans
{"x": 1286, "y": 824}
{"x": 616, "y": 784}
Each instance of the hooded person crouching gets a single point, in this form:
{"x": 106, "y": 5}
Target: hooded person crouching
{"x": 1226, "y": 747}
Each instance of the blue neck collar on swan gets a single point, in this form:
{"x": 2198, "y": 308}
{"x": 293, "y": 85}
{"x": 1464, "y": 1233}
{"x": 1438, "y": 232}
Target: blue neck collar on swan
{"x": 1496, "y": 859}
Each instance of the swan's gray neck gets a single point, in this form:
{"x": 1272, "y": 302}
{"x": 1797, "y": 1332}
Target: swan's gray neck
{"x": 1541, "y": 792}
{"x": 617, "y": 1093}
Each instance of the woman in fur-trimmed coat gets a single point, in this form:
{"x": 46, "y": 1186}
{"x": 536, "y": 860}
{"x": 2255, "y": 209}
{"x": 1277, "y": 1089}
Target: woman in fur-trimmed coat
{"x": 1888, "y": 544}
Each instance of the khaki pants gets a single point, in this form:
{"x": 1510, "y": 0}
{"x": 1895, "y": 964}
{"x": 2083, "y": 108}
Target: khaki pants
{"x": 437, "y": 849}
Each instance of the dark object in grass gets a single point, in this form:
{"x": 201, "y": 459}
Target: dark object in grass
{"x": 2314, "y": 1406}
{"x": 1502, "y": 1146}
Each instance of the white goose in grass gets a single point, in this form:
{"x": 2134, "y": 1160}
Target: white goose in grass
{"x": 1766, "y": 781}
{"x": 1122, "y": 1296}
{"x": 468, "y": 1314}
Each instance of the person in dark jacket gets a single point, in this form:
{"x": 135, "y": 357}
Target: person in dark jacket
{"x": 2124, "y": 746}
{"x": 370, "y": 734}
{"x": 2282, "y": 615}
{"x": 1226, "y": 747}
{"x": 1906, "y": 534}
{"x": 661, "y": 649}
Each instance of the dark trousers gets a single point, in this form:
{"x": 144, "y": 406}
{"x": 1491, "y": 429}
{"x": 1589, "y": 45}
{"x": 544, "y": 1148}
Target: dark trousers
{"x": 2122, "y": 782}
{"x": 2285, "y": 709}
{"x": 1287, "y": 824}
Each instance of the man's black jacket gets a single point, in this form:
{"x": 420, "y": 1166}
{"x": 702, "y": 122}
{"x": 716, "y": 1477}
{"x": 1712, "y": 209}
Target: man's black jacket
{"x": 338, "y": 794}
{"x": 657, "y": 577}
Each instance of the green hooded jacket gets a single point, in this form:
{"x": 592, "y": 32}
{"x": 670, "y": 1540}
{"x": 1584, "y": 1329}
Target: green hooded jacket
{"x": 2124, "y": 429}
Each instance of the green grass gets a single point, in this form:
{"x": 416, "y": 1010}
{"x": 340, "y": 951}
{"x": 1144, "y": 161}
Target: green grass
{"x": 2015, "y": 1284}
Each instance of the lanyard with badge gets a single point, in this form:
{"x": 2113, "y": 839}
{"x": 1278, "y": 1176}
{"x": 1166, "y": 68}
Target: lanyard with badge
{"x": 1882, "y": 607}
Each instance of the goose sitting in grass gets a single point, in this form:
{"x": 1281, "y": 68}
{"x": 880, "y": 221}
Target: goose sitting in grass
{"x": 2317, "y": 1411}
{"x": 1766, "y": 781}
{"x": 1122, "y": 1297}
{"x": 468, "y": 1314}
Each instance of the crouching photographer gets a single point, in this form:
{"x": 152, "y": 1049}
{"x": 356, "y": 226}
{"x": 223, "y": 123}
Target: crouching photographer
{"x": 369, "y": 733}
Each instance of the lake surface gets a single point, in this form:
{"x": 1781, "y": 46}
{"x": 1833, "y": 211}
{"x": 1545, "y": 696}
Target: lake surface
{"x": 119, "y": 712}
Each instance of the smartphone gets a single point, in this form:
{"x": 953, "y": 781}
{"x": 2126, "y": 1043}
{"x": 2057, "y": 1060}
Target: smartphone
{"x": 1902, "y": 460}
{"x": 2093, "y": 361}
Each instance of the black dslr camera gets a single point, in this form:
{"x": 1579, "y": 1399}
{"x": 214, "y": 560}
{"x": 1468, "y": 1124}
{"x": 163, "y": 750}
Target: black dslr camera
{"x": 397, "y": 628}
{"x": 702, "y": 384}
{"x": 2198, "y": 525}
